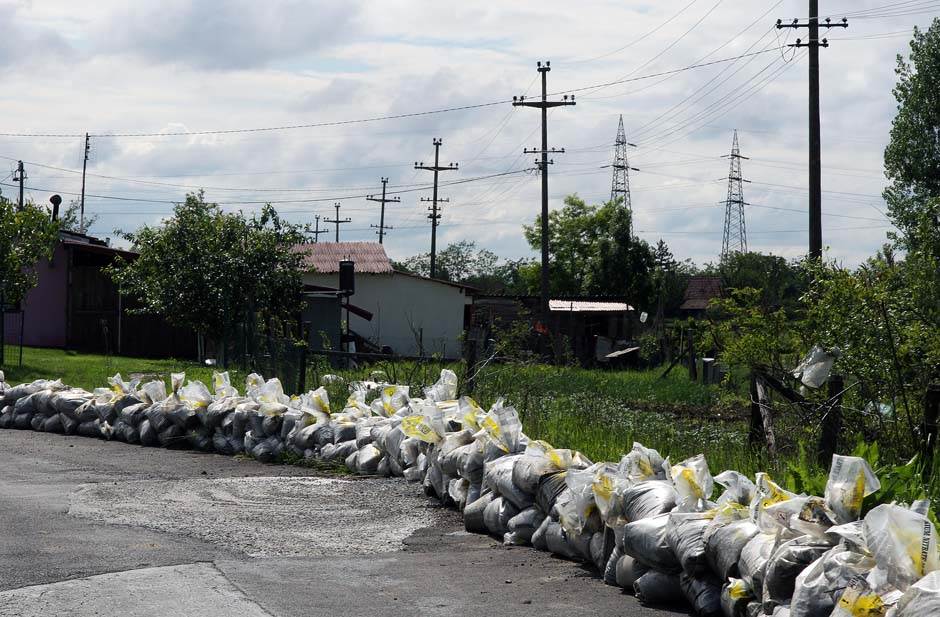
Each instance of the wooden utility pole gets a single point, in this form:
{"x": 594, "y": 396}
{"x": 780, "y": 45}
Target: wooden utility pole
{"x": 20, "y": 176}
{"x": 317, "y": 231}
{"x": 81, "y": 220}
{"x": 382, "y": 226}
{"x": 338, "y": 221}
{"x": 542, "y": 163}
{"x": 435, "y": 214}
{"x": 815, "y": 157}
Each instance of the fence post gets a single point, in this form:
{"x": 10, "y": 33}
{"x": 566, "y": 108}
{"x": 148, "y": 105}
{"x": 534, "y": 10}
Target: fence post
{"x": 756, "y": 429}
{"x": 471, "y": 361}
{"x": 302, "y": 369}
{"x": 832, "y": 421}
{"x": 931, "y": 417}
{"x": 693, "y": 370}
{"x": 762, "y": 419}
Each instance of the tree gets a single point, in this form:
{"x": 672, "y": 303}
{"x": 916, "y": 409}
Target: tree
{"x": 213, "y": 271}
{"x": 670, "y": 278}
{"x": 592, "y": 252}
{"x": 463, "y": 262}
{"x": 70, "y": 220}
{"x": 912, "y": 158}
{"x": 780, "y": 282}
{"x": 623, "y": 265}
{"x": 26, "y": 236}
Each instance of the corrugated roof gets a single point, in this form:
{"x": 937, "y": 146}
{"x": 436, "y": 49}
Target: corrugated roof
{"x": 700, "y": 291}
{"x": 587, "y": 306}
{"x": 324, "y": 257}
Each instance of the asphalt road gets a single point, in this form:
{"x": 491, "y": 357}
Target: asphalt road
{"x": 103, "y": 528}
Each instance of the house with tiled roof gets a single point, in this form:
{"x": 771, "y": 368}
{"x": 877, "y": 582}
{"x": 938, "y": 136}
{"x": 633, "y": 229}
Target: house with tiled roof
{"x": 410, "y": 314}
{"x": 700, "y": 291}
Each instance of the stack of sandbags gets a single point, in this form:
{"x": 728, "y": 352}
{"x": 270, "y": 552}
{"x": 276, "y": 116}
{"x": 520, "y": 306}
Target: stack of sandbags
{"x": 650, "y": 526}
{"x": 28, "y": 406}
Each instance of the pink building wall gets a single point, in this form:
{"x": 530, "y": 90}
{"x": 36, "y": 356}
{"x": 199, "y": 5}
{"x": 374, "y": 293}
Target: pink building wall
{"x": 45, "y": 305}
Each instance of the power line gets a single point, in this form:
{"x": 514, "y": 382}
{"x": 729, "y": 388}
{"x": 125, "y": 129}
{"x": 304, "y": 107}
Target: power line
{"x": 735, "y": 234}
{"x": 671, "y": 45}
{"x": 815, "y": 141}
{"x": 317, "y": 231}
{"x": 338, "y": 221}
{"x": 435, "y": 216}
{"x": 542, "y": 163}
{"x": 280, "y": 201}
{"x": 636, "y": 40}
{"x": 620, "y": 184}
{"x": 383, "y": 200}
{"x": 381, "y": 118}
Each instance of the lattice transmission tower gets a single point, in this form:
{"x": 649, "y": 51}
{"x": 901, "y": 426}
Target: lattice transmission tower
{"x": 620, "y": 186}
{"x": 735, "y": 238}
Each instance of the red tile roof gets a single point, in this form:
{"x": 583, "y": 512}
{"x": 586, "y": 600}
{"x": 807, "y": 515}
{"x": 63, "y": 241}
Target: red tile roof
{"x": 324, "y": 257}
{"x": 700, "y": 291}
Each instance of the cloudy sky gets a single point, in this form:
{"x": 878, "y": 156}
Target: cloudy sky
{"x": 169, "y": 75}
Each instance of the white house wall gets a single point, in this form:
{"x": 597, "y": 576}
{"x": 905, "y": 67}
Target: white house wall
{"x": 405, "y": 308}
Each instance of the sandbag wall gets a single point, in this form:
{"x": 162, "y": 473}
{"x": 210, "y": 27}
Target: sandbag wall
{"x": 647, "y": 525}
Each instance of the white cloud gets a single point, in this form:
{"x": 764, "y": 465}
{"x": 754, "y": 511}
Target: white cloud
{"x": 221, "y": 65}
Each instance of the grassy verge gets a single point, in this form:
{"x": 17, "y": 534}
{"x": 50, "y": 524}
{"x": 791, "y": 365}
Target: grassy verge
{"x": 91, "y": 371}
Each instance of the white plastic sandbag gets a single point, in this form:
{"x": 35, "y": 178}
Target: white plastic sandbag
{"x": 820, "y": 585}
{"x": 503, "y": 428}
{"x": 426, "y": 424}
{"x": 693, "y": 482}
{"x": 641, "y": 464}
{"x": 445, "y": 389}
{"x": 903, "y": 543}
{"x": 922, "y": 599}
{"x": 851, "y": 479}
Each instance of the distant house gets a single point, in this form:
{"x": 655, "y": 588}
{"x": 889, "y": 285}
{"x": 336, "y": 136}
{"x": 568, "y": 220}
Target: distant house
{"x": 411, "y": 314}
{"x": 699, "y": 292}
{"x": 75, "y": 305}
{"x": 593, "y": 326}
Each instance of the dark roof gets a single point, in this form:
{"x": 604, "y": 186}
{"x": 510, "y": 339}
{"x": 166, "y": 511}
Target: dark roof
{"x": 91, "y": 244}
{"x": 324, "y": 257}
{"x": 700, "y": 291}
{"x": 435, "y": 280}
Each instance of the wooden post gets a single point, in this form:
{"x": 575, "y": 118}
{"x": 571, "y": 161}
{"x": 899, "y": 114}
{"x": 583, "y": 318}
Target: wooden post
{"x": 931, "y": 418}
{"x": 302, "y": 369}
{"x": 693, "y": 370}
{"x": 767, "y": 419}
{"x": 755, "y": 434}
{"x": 831, "y": 422}
{"x": 470, "y": 357}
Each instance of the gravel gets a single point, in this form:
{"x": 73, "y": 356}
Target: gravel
{"x": 266, "y": 516}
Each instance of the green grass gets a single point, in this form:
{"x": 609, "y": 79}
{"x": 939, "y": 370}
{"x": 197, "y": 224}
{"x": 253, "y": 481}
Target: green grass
{"x": 90, "y": 371}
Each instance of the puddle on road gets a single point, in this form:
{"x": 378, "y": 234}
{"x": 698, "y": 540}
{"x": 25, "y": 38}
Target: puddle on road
{"x": 267, "y": 516}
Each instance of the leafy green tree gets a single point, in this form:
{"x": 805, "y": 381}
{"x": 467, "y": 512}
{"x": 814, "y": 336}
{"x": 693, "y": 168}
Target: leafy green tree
{"x": 573, "y": 235}
{"x": 591, "y": 251}
{"x": 458, "y": 262}
{"x": 463, "y": 262}
{"x": 912, "y": 158}
{"x": 670, "y": 278}
{"x": 213, "y": 271}
{"x": 71, "y": 219}
{"x": 26, "y": 236}
{"x": 624, "y": 264}
{"x": 781, "y": 282}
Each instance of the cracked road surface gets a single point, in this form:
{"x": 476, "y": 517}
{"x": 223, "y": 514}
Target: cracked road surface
{"x": 104, "y": 528}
